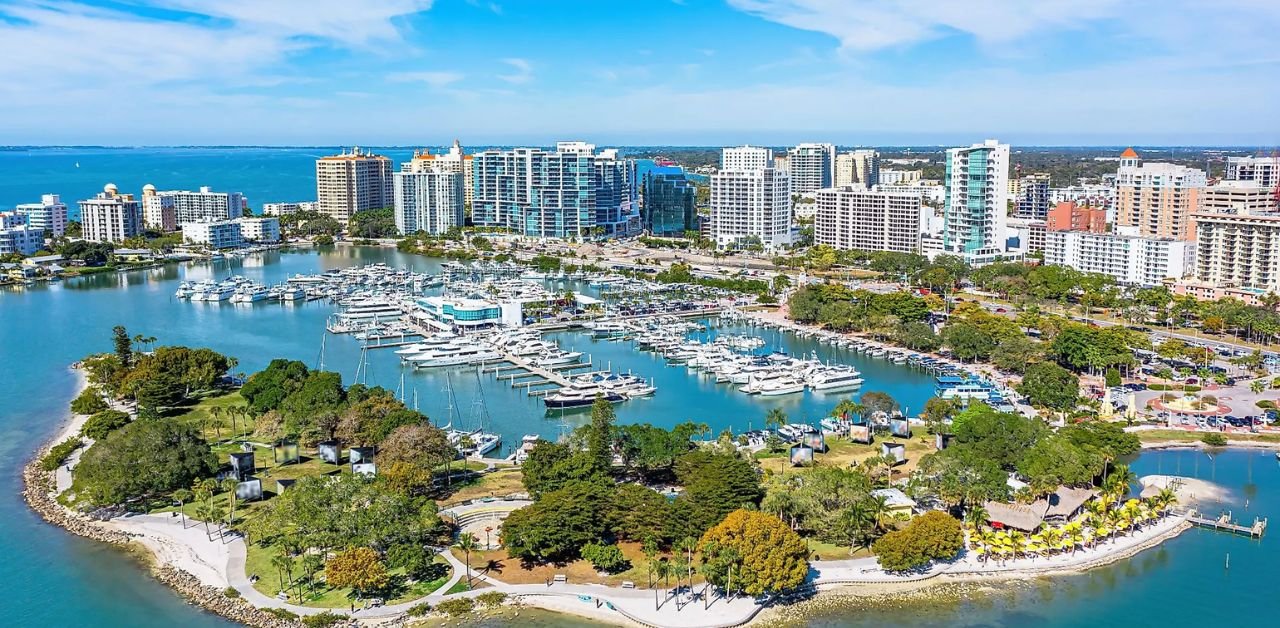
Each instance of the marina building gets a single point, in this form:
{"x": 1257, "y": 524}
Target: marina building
{"x": 1262, "y": 171}
{"x": 21, "y": 239}
{"x": 1239, "y": 250}
{"x": 1157, "y": 198}
{"x": 668, "y": 204}
{"x": 284, "y": 209}
{"x": 1129, "y": 259}
{"x": 49, "y": 215}
{"x": 428, "y": 199}
{"x": 855, "y": 218}
{"x": 158, "y": 212}
{"x": 1071, "y": 217}
{"x": 219, "y": 234}
{"x": 110, "y": 216}
{"x": 975, "y": 202}
{"x": 811, "y": 167}
{"x": 750, "y": 200}
{"x": 260, "y": 229}
{"x": 1032, "y": 201}
{"x": 455, "y": 161}
{"x": 1237, "y": 197}
{"x": 352, "y": 182}
{"x": 572, "y": 191}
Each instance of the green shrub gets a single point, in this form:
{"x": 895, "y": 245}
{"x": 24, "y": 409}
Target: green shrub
{"x": 419, "y": 610}
{"x": 282, "y": 613}
{"x": 322, "y": 620}
{"x": 1191, "y": 388}
{"x": 59, "y": 453}
{"x": 1113, "y": 378}
{"x": 103, "y": 423}
{"x": 1214, "y": 439}
{"x": 457, "y": 606}
{"x": 89, "y": 402}
{"x": 1265, "y": 403}
{"x": 491, "y": 598}
{"x": 607, "y": 558}
{"x": 232, "y": 593}
{"x": 323, "y": 239}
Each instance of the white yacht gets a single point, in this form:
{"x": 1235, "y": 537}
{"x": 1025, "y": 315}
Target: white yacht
{"x": 781, "y": 386}
{"x": 251, "y": 294}
{"x": 453, "y": 355}
{"x": 834, "y": 378}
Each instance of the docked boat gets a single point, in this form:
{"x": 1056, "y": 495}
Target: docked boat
{"x": 452, "y": 355}
{"x": 834, "y": 378}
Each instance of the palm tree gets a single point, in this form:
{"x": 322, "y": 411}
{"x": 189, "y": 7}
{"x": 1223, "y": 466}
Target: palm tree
{"x": 977, "y": 516}
{"x": 216, "y": 413}
{"x": 689, "y": 544}
{"x": 775, "y": 418}
{"x": 1076, "y": 536}
{"x": 1165, "y": 500}
{"x": 1257, "y": 386}
{"x": 182, "y": 496}
{"x": 1017, "y": 540}
{"x": 229, "y": 485}
{"x": 1052, "y": 537}
{"x": 284, "y": 569}
{"x": 206, "y": 511}
{"x": 311, "y": 563}
{"x": 986, "y": 538}
{"x": 467, "y": 542}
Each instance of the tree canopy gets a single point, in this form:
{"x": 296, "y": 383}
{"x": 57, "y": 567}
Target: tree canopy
{"x": 144, "y": 458}
{"x": 934, "y": 535}
{"x": 763, "y": 554}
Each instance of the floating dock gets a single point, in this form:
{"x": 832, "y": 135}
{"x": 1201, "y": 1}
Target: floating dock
{"x": 1226, "y": 523}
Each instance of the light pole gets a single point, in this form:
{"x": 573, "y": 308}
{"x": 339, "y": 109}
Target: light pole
{"x": 487, "y": 530}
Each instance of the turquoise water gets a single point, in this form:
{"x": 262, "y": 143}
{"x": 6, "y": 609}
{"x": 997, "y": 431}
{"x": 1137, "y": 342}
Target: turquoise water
{"x": 48, "y": 326}
{"x": 1183, "y": 582}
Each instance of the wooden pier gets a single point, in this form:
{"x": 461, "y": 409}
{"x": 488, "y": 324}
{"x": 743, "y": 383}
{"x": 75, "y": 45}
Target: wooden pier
{"x": 1226, "y": 523}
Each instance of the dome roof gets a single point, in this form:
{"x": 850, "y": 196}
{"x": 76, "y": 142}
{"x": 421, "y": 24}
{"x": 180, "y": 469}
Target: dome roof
{"x": 110, "y": 187}
{"x": 148, "y": 188}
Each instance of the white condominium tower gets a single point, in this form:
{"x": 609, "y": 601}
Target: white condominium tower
{"x": 50, "y": 214}
{"x": 428, "y": 199}
{"x": 453, "y": 161}
{"x": 811, "y": 167}
{"x": 750, "y": 200}
{"x": 1264, "y": 171}
{"x": 203, "y": 206}
{"x": 976, "y": 199}
{"x": 110, "y": 216}
{"x": 352, "y": 182}
{"x": 856, "y": 218}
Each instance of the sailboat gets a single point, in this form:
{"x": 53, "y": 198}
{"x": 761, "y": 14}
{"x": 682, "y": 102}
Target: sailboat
{"x": 484, "y": 441}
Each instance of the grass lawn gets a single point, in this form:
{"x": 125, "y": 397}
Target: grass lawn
{"x": 821, "y": 550}
{"x": 496, "y": 484}
{"x": 843, "y": 452}
{"x": 258, "y": 561}
{"x": 510, "y": 570}
{"x": 1160, "y": 436}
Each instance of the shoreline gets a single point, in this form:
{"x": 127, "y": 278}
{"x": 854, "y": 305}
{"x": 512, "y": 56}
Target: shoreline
{"x": 1198, "y": 444}
{"x": 40, "y": 491}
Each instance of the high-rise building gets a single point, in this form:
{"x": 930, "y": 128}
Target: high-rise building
{"x": 1129, "y": 259}
{"x": 855, "y": 218}
{"x": 1264, "y": 171}
{"x": 456, "y": 160}
{"x": 858, "y": 167}
{"x": 569, "y": 192}
{"x": 1071, "y": 217}
{"x": 21, "y": 239}
{"x": 897, "y": 177}
{"x": 750, "y": 200}
{"x": 259, "y": 228}
{"x": 811, "y": 167}
{"x": 353, "y": 182}
{"x": 159, "y": 211}
{"x": 429, "y": 199}
{"x": 110, "y": 216}
{"x": 668, "y": 205}
{"x": 1238, "y": 250}
{"x": 202, "y": 206}
{"x": 1032, "y": 197}
{"x": 1237, "y": 197}
{"x": 1157, "y": 198}
{"x": 49, "y": 215}
{"x": 975, "y": 206}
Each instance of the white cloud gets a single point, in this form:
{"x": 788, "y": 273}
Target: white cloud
{"x": 523, "y": 71}
{"x": 434, "y": 79}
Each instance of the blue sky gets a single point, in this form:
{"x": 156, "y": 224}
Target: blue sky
{"x": 376, "y": 72}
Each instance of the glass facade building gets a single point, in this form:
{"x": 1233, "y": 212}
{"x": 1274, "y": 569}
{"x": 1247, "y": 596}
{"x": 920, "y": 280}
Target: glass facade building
{"x": 668, "y": 207}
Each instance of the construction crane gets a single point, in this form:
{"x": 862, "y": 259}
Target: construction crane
{"x": 1275, "y": 170}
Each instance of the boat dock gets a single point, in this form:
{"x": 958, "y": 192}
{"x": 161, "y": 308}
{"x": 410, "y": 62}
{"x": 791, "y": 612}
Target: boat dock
{"x": 1226, "y": 523}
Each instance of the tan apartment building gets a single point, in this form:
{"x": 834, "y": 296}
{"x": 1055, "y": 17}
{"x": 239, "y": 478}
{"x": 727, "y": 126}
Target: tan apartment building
{"x": 1238, "y": 250}
{"x": 353, "y": 182}
{"x": 1157, "y": 199}
{"x": 854, "y": 218}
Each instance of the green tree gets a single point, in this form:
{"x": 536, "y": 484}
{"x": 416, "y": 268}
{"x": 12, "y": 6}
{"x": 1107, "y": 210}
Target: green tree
{"x": 123, "y": 345}
{"x": 1051, "y": 386}
{"x": 934, "y": 535}
{"x": 1113, "y": 378}
{"x": 468, "y": 543}
{"x": 558, "y": 524}
{"x": 606, "y": 558}
{"x": 600, "y": 433}
{"x": 937, "y": 411}
{"x": 102, "y": 423}
{"x": 876, "y": 401}
{"x": 764, "y": 554}
{"x": 89, "y": 401}
{"x": 143, "y": 458}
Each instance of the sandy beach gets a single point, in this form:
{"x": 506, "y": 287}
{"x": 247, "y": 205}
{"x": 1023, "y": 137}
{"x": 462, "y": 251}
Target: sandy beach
{"x": 1189, "y": 490}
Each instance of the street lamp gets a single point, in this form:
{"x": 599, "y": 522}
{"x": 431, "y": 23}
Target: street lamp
{"x": 487, "y": 530}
